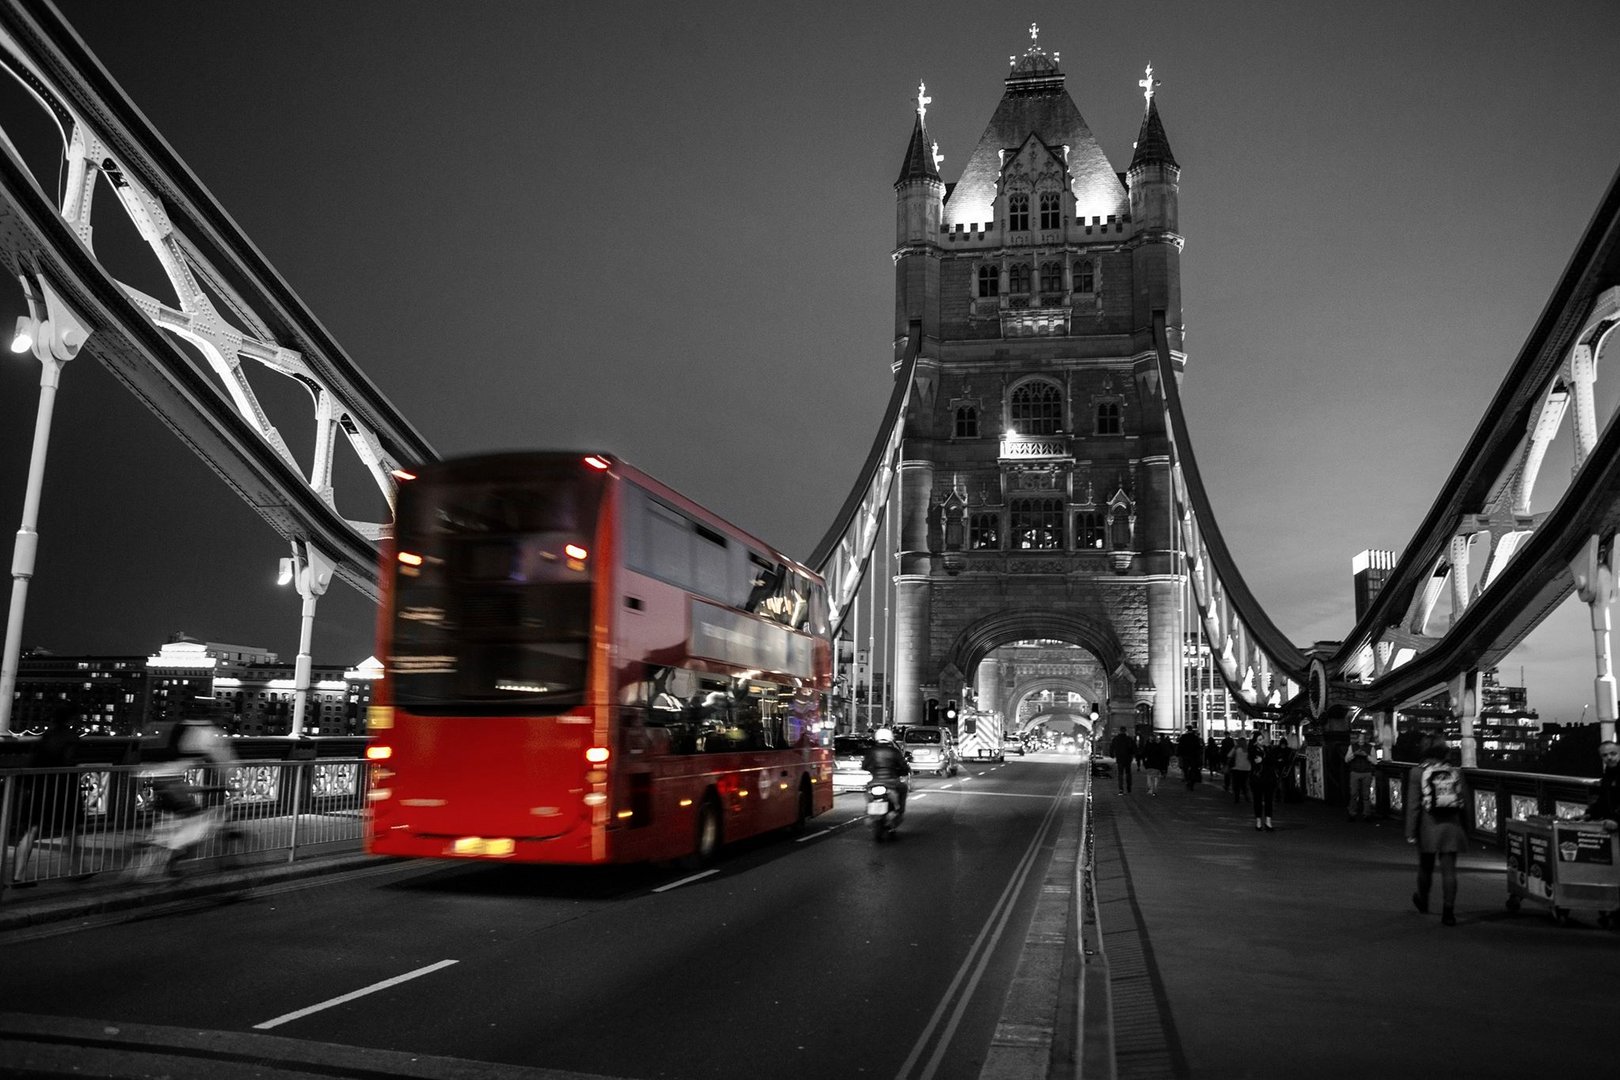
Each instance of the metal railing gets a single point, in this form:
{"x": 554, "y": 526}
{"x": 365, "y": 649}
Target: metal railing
{"x": 1495, "y": 797}
{"x": 102, "y": 819}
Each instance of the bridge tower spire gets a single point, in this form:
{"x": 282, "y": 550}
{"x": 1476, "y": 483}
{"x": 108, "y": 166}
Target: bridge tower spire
{"x": 1034, "y": 468}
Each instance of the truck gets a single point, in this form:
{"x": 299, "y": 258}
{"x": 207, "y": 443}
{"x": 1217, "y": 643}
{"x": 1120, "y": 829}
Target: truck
{"x": 981, "y": 737}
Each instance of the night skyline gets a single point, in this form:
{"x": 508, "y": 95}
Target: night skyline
{"x": 572, "y": 225}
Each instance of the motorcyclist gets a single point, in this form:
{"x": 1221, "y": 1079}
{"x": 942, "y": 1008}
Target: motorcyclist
{"x": 888, "y": 764}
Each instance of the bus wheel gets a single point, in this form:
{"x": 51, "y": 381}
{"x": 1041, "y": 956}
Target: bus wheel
{"x": 706, "y": 836}
{"x": 806, "y": 810}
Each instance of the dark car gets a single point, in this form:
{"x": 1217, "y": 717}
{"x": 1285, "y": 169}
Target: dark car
{"x": 848, "y": 752}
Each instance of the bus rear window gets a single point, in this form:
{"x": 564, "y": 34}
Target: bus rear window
{"x": 491, "y": 591}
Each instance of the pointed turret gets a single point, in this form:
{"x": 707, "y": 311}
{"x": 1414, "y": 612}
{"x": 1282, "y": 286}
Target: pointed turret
{"x": 1152, "y": 145}
{"x": 919, "y": 197}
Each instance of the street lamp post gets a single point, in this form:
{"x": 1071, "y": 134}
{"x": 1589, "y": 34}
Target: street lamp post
{"x": 310, "y": 572}
{"x": 54, "y": 334}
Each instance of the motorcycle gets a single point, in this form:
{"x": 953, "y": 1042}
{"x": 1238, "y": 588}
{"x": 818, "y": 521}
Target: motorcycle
{"x": 883, "y": 807}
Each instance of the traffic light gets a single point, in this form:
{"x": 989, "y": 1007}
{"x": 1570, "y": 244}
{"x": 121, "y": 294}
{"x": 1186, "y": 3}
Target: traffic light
{"x": 950, "y": 711}
{"x": 932, "y": 711}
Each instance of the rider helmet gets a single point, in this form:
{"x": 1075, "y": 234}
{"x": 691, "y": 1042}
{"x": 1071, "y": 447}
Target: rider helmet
{"x": 883, "y": 734}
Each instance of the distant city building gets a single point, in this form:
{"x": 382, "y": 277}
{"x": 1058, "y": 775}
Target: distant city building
{"x": 1371, "y": 569}
{"x": 106, "y": 694}
{"x": 251, "y": 691}
{"x": 245, "y": 689}
{"x": 1507, "y": 732}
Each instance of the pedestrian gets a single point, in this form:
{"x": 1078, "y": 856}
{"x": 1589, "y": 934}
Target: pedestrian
{"x": 1190, "y": 752}
{"x": 1436, "y": 793}
{"x": 1156, "y": 756}
{"x": 1237, "y": 771}
{"x": 1359, "y": 759}
{"x": 1265, "y": 763}
{"x": 49, "y": 804}
{"x": 1213, "y": 761}
{"x": 1606, "y": 807}
{"x": 1225, "y": 756}
{"x": 1123, "y": 750}
{"x": 1287, "y": 778}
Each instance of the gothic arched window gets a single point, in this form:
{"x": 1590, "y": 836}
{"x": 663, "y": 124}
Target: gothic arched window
{"x": 1051, "y": 277}
{"x": 984, "y": 531}
{"x": 1051, "y": 209}
{"x": 1037, "y": 524}
{"x": 989, "y": 280}
{"x": 1037, "y": 409}
{"x": 1018, "y": 278}
{"x": 1121, "y": 530}
{"x": 1088, "y": 530}
{"x": 1018, "y": 212}
{"x": 1108, "y": 418}
{"x": 967, "y": 422}
{"x": 1085, "y": 278}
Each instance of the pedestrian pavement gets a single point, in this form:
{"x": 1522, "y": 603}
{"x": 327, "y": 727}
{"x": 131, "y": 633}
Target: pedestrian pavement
{"x": 113, "y": 894}
{"x": 1234, "y": 953}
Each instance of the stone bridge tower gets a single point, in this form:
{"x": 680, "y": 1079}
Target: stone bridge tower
{"x": 1035, "y": 469}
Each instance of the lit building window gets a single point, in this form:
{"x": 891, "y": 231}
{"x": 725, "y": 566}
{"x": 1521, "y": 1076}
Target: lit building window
{"x": 1018, "y": 213}
{"x": 1088, "y": 530}
{"x": 984, "y": 532}
{"x": 1037, "y": 524}
{"x": 1037, "y": 409}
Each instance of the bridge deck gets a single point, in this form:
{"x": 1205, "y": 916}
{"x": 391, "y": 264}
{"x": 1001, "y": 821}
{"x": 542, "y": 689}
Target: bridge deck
{"x": 1236, "y": 953}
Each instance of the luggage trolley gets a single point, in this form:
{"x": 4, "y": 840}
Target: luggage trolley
{"x": 1564, "y": 865}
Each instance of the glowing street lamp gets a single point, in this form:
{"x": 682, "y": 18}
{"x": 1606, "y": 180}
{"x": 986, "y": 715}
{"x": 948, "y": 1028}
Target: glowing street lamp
{"x": 54, "y": 334}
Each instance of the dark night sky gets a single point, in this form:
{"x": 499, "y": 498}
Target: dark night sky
{"x": 664, "y": 230}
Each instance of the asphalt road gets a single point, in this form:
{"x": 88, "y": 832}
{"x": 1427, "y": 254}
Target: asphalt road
{"x": 823, "y": 955}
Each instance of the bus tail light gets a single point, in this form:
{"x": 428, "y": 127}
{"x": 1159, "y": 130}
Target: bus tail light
{"x": 596, "y": 755}
{"x": 596, "y": 461}
{"x": 379, "y": 753}
{"x": 410, "y": 558}
{"x": 575, "y": 552}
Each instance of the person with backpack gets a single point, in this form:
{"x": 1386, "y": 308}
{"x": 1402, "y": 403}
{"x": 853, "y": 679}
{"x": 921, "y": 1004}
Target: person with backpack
{"x": 1436, "y": 795}
{"x": 1359, "y": 761}
{"x": 1123, "y": 750}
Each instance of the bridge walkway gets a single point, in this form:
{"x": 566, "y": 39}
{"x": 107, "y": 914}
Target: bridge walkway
{"x": 1236, "y": 953}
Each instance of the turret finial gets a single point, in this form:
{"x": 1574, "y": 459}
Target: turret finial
{"x": 1149, "y": 85}
{"x": 923, "y": 101}
{"x": 1034, "y": 35}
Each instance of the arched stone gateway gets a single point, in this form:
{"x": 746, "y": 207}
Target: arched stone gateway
{"x": 1034, "y": 482}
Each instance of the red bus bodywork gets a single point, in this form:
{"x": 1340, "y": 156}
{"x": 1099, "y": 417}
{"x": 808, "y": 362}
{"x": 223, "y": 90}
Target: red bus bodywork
{"x": 625, "y": 771}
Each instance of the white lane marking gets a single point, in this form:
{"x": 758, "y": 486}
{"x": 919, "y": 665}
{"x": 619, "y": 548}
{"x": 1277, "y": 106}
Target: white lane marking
{"x": 812, "y": 836}
{"x": 919, "y": 795}
{"x": 685, "y": 881}
{"x": 977, "y": 959}
{"x": 362, "y": 992}
{"x": 1001, "y": 794}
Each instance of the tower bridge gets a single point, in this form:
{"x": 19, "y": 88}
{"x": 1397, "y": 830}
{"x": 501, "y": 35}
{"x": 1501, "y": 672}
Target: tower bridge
{"x": 1032, "y": 478}
{"x": 1030, "y": 532}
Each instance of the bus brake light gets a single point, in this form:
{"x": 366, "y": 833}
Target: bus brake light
{"x": 379, "y": 753}
{"x": 410, "y": 558}
{"x": 574, "y": 551}
{"x": 596, "y": 755}
{"x": 597, "y": 462}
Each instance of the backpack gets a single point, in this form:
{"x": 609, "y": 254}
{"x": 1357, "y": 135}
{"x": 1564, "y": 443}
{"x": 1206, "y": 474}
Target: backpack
{"x": 1442, "y": 789}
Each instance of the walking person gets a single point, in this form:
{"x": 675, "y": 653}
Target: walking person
{"x": 1237, "y": 771}
{"x": 1359, "y": 759}
{"x": 1156, "y": 756}
{"x": 50, "y": 803}
{"x": 1435, "y": 795}
{"x": 1123, "y": 750}
{"x": 1190, "y": 752}
{"x": 1225, "y": 757}
{"x": 1265, "y": 766}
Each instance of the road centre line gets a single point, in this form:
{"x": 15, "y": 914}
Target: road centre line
{"x": 362, "y": 992}
{"x": 686, "y": 881}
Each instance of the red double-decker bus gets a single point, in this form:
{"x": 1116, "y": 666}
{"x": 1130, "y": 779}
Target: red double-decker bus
{"x": 581, "y": 666}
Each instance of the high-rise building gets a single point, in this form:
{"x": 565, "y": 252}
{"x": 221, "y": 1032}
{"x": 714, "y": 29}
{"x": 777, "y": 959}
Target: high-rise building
{"x": 1370, "y": 570}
